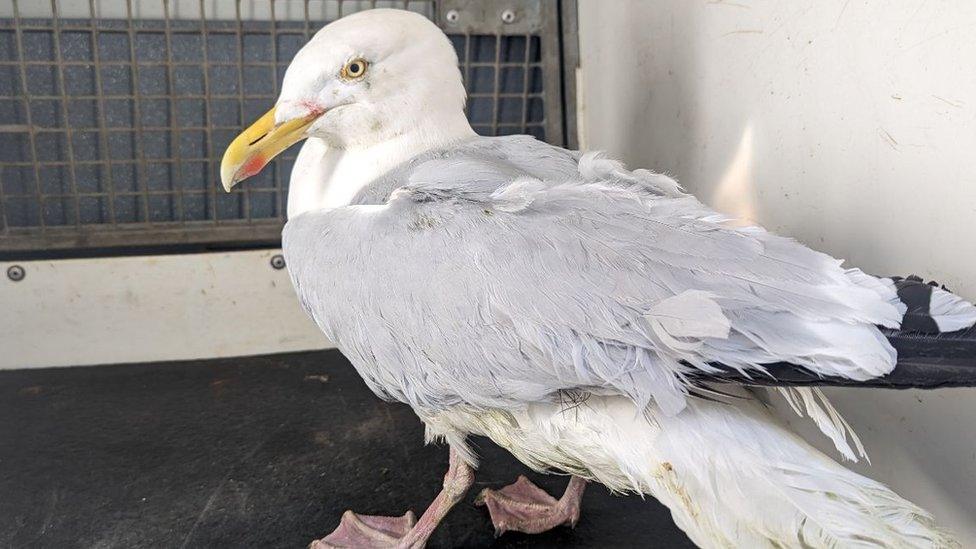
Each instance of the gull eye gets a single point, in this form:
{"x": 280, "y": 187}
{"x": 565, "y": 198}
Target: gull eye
{"x": 355, "y": 68}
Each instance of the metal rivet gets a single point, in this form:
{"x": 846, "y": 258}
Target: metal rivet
{"x": 278, "y": 261}
{"x": 508, "y": 16}
{"x": 16, "y": 273}
{"x": 452, "y": 16}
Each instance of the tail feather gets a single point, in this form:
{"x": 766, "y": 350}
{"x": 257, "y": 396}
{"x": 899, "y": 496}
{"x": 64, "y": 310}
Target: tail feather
{"x": 814, "y": 403}
{"x": 792, "y": 494}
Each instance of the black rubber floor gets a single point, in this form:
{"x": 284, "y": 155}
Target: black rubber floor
{"x": 254, "y": 452}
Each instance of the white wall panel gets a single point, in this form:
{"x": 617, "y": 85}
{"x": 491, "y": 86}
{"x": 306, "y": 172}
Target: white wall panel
{"x": 134, "y": 309}
{"x": 850, "y": 125}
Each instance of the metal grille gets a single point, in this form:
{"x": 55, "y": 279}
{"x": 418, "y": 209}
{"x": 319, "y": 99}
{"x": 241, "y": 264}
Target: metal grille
{"x": 114, "y": 114}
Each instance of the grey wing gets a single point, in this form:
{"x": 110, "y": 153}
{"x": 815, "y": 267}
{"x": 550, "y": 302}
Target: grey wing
{"x": 495, "y": 295}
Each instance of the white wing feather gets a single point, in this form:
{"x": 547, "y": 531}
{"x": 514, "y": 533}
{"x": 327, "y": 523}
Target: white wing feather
{"x": 482, "y": 283}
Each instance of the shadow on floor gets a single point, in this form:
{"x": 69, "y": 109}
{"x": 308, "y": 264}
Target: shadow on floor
{"x": 248, "y": 452}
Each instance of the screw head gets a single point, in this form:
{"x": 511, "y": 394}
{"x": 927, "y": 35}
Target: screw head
{"x": 16, "y": 273}
{"x": 278, "y": 262}
{"x": 508, "y": 16}
{"x": 452, "y": 16}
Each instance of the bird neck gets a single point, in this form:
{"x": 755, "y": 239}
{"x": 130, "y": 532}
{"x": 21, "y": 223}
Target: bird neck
{"x": 329, "y": 177}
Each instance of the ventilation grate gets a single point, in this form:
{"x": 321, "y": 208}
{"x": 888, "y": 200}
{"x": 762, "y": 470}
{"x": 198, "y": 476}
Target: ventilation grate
{"x": 114, "y": 116}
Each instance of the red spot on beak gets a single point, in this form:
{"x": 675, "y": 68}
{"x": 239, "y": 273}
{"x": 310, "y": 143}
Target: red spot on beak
{"x": 314, "y": 109}
{"x": 252, "y": 167}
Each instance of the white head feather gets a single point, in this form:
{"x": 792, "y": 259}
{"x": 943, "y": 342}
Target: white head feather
{"x": 412, "y": 78}
{"x": 410, "y": 99}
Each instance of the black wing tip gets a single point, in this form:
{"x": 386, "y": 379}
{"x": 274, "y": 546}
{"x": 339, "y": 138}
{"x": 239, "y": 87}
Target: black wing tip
{"x": 930, "y": 373}
{"x": 928, "y": 358}
{"x": 925, "y": 361}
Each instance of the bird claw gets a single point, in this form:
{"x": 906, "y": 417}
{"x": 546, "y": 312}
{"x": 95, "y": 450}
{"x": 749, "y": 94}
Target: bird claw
{"x": 524, "y": 507}
{"x": 367, "y": 531}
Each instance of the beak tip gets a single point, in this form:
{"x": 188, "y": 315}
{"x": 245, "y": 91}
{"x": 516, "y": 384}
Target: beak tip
{"x": 227, "y": 178}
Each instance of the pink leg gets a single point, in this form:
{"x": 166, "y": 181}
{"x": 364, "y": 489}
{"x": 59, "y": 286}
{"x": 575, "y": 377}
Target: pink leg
{"x": 524, "y": 507}
{"x": 404, "y": 532}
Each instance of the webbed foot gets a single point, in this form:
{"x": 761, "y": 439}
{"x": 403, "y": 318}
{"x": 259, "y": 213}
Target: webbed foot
{"x": 524, "y": 507}
{"x": 406, "y": 532}
{"x": 367, "y": 531}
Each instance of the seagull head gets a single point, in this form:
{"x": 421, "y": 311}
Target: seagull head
{"x": 361, "y": 80}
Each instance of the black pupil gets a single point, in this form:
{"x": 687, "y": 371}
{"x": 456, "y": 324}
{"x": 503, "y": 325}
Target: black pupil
{"x": 354, "y": 68}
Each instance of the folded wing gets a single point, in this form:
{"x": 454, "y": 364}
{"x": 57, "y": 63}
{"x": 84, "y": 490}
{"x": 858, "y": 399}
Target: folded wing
{"x": 484, "y": 281}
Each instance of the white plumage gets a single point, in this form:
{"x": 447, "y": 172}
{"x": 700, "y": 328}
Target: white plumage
{"x": 731, "y": 475}
{"x": 562, "y": 305}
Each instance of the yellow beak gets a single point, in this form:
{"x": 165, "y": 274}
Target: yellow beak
{"x": 251, "y": 151}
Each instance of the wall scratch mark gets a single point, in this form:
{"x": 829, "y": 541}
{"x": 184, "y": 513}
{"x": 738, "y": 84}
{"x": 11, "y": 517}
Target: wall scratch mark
{"x": 841, "y": 14}
{"x": 956, "y": 104}
{"x": 744, "y": 31}
{"x": 937, "y": 36}
{"x": 729, "y": 4}
{"x": 888, "y": 138}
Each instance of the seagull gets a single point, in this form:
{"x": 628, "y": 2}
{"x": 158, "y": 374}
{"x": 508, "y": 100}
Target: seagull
{"x": 566, "y": 308}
